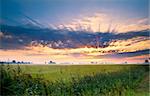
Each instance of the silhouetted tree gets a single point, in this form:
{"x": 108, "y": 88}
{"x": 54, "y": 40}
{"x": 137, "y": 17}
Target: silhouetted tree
{"x": 126, "y": 62}
{"x": 13, "y": 61}
{"x": 51, "y": 62}
{"x": 146, "y": 61}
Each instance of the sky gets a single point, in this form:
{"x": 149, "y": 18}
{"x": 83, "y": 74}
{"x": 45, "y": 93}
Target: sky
{"x": 81, "y": 30}
{"x": 62, "y": 11}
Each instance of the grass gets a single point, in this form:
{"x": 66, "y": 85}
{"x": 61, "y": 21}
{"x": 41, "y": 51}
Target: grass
{"x": 143, "y": 88}
{"x": 76, "y": 80}
{"x": 54, "y": 72}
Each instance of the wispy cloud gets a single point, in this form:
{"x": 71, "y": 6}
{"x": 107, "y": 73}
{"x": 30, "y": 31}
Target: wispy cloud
{"x": 102, "y": 22}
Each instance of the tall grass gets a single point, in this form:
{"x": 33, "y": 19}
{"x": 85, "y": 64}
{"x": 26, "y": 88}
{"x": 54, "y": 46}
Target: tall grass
{"x": 122, "y": 83}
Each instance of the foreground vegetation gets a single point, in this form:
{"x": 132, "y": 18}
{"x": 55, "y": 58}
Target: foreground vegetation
{"x": 92, "y": 80}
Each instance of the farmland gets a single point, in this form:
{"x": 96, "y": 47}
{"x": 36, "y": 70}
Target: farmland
{"x": 75, "y": 80}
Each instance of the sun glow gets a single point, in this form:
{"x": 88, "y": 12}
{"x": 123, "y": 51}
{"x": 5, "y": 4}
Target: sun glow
{"x": 83, "y": 54}
{"x": 101, "y": 22}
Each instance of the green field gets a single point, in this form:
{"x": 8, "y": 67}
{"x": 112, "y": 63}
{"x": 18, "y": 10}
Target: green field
{"x": 75, "y": 80}
{"x": 54, "y": 72}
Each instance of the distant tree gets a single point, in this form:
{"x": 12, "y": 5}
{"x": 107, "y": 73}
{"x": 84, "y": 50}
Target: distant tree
{"x": 13, "y": 61}
{"x": 146, "y": 61}
{"x": 18, "y": 62}
{"x": 51, "y": 62}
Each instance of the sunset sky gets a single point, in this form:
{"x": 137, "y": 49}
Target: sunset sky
{"x": 75, "y": 31}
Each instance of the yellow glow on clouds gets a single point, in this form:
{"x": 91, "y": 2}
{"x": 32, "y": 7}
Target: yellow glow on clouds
{"x": 101, "y": 22}
{"x": 40, "y": 54}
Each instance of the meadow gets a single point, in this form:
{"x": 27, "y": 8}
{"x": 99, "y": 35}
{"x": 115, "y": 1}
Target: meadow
{"x": 75, "y": 80}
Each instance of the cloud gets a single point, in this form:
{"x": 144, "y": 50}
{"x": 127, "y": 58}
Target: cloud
{"x": 102, "y": 22}
{"x": 77, "y": 46}
{"x": 1, "y": 34}
{"x": 14, "y": 37}
{"x": 91, "y": 23}
{"x": 41, "y": 54}
{"x": 134, "y": 27}
{"x": 125, "y": 54}
{"x": 143, "y": 21}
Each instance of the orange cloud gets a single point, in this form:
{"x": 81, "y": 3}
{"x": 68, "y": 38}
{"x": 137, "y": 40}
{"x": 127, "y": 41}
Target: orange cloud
{"x": 40, "y": 54}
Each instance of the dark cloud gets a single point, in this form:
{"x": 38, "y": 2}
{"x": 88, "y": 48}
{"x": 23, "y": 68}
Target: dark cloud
{"x": 125, "y": 54}
{"x": 15, "y": 37}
